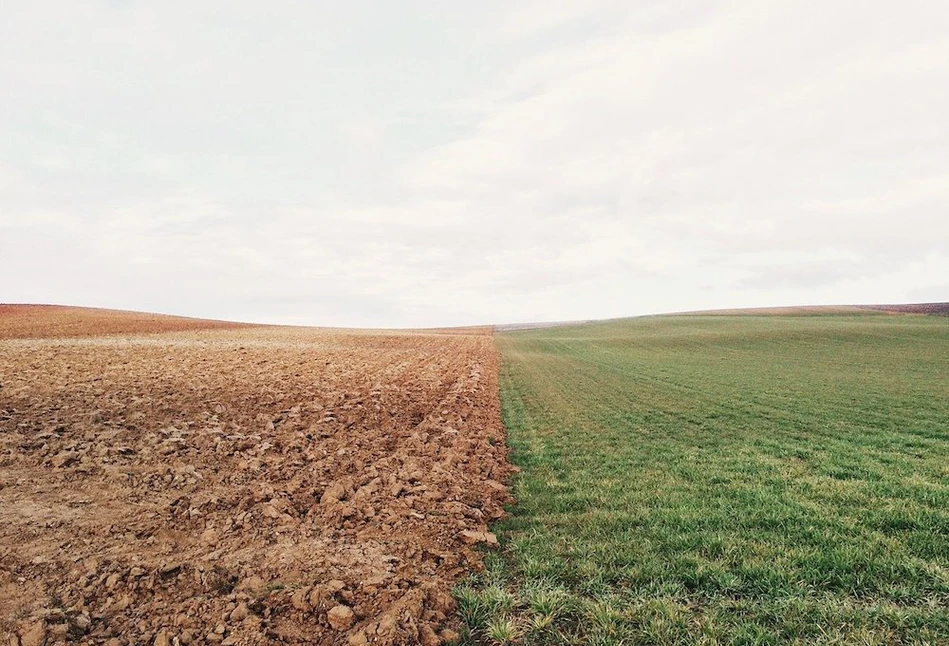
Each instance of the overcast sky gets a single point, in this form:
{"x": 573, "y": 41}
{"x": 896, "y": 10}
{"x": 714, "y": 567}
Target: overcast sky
{"x": 396, "y": 164}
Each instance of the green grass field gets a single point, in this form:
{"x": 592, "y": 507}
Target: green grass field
{"x": 723, "y": 480}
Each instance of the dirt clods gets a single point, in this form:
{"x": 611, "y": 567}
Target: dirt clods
{"x": 340, "y": 617}
{"x": 243, "y": 486}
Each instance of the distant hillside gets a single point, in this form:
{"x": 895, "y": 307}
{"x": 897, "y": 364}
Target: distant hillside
{"x": 937, "y": 309}
{"x": 932, "y": 309}
{"x": 511, "y": 327}
{"x": 53, "y": 321}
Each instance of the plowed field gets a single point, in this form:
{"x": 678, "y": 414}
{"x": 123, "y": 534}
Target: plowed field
{"x": 50, "y": 321}
{"x": 241, "y": 485}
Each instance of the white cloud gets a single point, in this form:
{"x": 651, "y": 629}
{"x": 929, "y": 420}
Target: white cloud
{"x": 422, "y": 165}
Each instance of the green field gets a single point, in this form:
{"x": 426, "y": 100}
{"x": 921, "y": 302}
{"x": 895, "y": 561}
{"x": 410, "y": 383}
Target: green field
{"x": 723, "y": 480}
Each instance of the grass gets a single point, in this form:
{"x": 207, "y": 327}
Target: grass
{"x": 723, "y": 480}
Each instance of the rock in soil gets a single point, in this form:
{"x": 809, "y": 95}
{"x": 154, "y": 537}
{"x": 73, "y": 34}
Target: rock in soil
{"x": 340, "y": 617}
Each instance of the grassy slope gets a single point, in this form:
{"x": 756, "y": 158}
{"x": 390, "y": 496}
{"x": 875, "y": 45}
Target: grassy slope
{"x": 724, "y": 480}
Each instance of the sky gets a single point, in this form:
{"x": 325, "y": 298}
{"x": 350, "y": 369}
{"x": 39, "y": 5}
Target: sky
{"x": 416, "y": 164}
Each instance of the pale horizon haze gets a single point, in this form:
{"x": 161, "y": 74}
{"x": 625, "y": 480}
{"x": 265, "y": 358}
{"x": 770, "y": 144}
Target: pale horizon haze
{"x": 422, "y": 164}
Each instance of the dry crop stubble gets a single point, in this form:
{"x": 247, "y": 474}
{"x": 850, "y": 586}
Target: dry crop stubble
{"x": 242, "y": 485}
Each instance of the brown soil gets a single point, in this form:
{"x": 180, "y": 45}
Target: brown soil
{"x": 242, "y": 486}
{"x": 932, "y": 309}
{"x": 50, "y": 321}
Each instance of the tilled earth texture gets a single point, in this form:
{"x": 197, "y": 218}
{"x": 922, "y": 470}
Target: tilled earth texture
{"x": 241, "y": 485}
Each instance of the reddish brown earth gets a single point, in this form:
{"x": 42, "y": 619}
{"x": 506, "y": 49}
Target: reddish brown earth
{"x": 932, "y": 309}
{"x": 49, "y": 321}
{"x": 251, "y": 485}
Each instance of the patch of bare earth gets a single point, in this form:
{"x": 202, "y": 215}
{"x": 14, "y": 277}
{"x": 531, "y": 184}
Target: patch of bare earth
{"x": 931, "y": 309}
{"x": 51, "y": 321}
{"x": 244, "y": 486}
